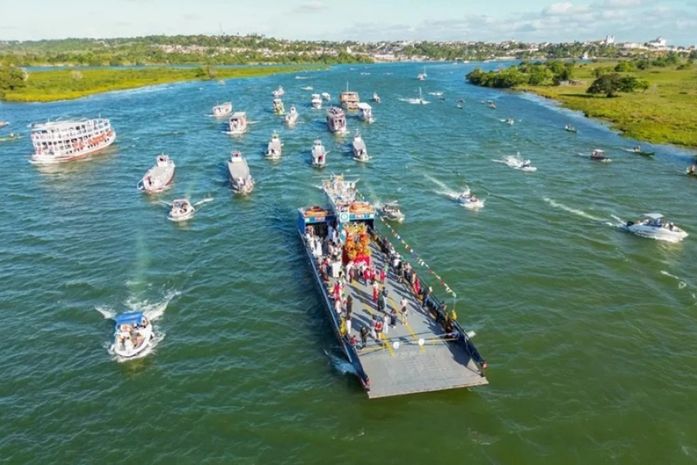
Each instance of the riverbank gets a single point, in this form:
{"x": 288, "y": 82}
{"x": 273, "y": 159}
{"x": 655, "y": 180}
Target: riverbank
{"x": 666, "y": 113}
{"x": 68, "y": 84}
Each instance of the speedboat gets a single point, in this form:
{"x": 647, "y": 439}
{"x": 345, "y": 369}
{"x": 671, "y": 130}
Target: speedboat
{"x": 461, "y": 104}
{"x": 509, "y": 121}
{"x": 491, "y": 104}
{"x": 10, "y": 137}
{"x": 360, "y": 151}
{"x": 278, "y": 106}
{"x": 292, "y": 116}
{"x": 518, "y": 163}
{"x": 692, "y": 170}
{"x": 240, "y": 178}
{"x": 278, "y": 93}
{"x": 319, "y": 154}
{"x": 422, "y": 76}
{"x": 326, "y": 96}
{"x": 570, "y": 128}
{"x": 221, "y": 110}
{"x": 274, "y": 148}
{"x": 638, "y": 151}
{"x": 181, "y": 210}
{"x": 599, "y": 155}
{"x": 470, "y": 201}
{"x": 158, "y": 178}
{"x": 3, "y": 123}
{"x": 654, "y": 226}
{"x": 391, "y": 211}
{"x": 366, "y": 112}
{"x": 316, "y": 101}
{"x": 132, "y": 335}
{"x": 376, "y": 97}
{"x": 238, "y": 123}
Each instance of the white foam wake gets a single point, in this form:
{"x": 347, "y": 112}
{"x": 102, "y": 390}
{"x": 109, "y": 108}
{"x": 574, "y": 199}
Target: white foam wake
{"x": 415, "y": 101}
{"x": 571, "y": 210}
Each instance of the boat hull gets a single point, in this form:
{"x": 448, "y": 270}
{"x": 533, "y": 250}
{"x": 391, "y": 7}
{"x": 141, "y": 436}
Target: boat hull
{"x": 40, "y": 159}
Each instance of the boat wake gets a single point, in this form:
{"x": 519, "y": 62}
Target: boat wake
{"x": 574, "y": 211}
{"x": 517, "y": 162}
{"x": 340, "y": 364}
{"x": 307, "y": 88}
{"x": 682, "y": 284}
{"x": 415, "y": 101}
{"x": 203, "y": 201}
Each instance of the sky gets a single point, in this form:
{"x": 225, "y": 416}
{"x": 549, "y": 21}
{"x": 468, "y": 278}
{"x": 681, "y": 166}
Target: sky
{"x": 362, "y": 20}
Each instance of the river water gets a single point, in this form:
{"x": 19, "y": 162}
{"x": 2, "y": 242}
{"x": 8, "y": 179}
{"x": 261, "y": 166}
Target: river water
{"x": 589, "y": 331}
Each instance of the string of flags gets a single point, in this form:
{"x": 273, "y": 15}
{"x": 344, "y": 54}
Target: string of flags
{"x": 419, "y": 260}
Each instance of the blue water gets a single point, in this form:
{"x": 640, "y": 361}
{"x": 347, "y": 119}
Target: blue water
{"x": 587, "y": 330}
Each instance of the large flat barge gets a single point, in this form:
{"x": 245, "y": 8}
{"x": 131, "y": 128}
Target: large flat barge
{"x": 426, "y": 349}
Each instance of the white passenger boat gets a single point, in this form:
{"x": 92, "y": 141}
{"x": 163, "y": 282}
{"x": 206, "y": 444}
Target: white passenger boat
{"x": 279, "y": 92}
{"x": 62, "y": 141}
{"x": 274, "y": 148}
{"x": 360, "y": 151}
{"x": 181, "y": 210}
{"x": 132, "y": 335}
{"x": 316, "y": 101}
{"x": 391, "y": 211}
{"x": 241, "y": 179}
{"x": 470, "y": 201}
{"x": 238, "y": 123}
{"x": 336, "y": 120}
{"x": 292, "y": 116}
{"x": 319, "y": 154}
{"x": 654, "y": 226}
{"x": 325, "y": 96}
{"x": 366, "y": 112}
{"x": 222, "y": 110}
{"x": 159, "y": 177}
{"x": 278, "y": 107}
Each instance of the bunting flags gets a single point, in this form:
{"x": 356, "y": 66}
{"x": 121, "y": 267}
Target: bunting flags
{"x": 419, "y": 260}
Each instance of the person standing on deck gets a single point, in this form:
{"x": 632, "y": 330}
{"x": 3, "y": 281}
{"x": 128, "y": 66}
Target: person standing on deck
{"x": 378, "y": 326}
{"x": 376, "y": 291}
{"x": 403, "y": 305}
{"x": 348, "y": 325}
{"x": 382, "y": 274}
{"x": 349, "y": 306}
{"x": 393, "y": 317}
{"x": 373, "y": 333}
{"x": 425, "y": 294}
{"x": 386, "y": 324}
{"x": 364, "y": 336}
{"x": 382, "y": 300}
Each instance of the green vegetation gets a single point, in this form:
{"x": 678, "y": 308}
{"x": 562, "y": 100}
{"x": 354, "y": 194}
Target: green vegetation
{"x": 11, "y": 79}
{"x": 551, "y": 72}
{"x": 663, "y": 111}
{"x": 44, "y": 86}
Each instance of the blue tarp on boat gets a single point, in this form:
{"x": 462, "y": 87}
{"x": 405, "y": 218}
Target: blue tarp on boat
{"x": 129, "y": 318}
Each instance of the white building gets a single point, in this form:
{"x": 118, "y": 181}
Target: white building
{"x": 659, "y": 42}
{"x": 609, "y": 40}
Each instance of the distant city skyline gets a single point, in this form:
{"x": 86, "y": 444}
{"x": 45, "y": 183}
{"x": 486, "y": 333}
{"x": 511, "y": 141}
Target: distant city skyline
{"x": 361, "y": 20}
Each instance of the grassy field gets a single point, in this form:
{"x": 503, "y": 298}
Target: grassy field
{"x": 665, "y": 113}
{"x": 47, "y": 86}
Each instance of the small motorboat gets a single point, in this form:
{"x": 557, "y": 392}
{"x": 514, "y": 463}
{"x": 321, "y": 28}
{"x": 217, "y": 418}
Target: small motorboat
{"x": 570, "y": 128}
{"x": 637, "y": 150}
{"x": 518, "y": 163}
{"x": 319, "y": 154}
{"x": 238, "y": 123}
{"x": 279, "y": 92}
{"x": 470, "y": 201}
{"x": 508, "y": 121}
{"x": 10, "y": 137}
{"x": 654, "y": 226}
{"x": 292, "y": 116}
{"x": 376, "y": 98}
{"x": 360, "y": 151}
{"x": 3, "y": 123}
{"x": 391, "y": 211}
{"x": 325, "y": 96}
{"x": 422, "y": 76}
{"x": 692, "y": 170}
{"x": 181, "y": 210}
{"x": 132, "y": 335}
{"x": 222, "y": 110}
{"x": 491, "y": 104}
{"x": 599, "y": 155}
{"x": 316, "y": 101}
{"x": 274, "y": 149}
{"x": 366, "y": 112}
{"x": 158, "y": 178}
{"x": 278, "y": 107}
{"x": 240, "y": 177}
{"x": 461, "y": 104}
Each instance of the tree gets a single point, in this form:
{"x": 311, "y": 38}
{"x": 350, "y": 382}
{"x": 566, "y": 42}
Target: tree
{"x": 611, "y": 84}
{"x": 11, "y": 78}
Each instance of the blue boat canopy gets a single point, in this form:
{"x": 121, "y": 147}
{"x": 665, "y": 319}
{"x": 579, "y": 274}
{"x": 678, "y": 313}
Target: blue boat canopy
{"x": 129, "y": 318}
